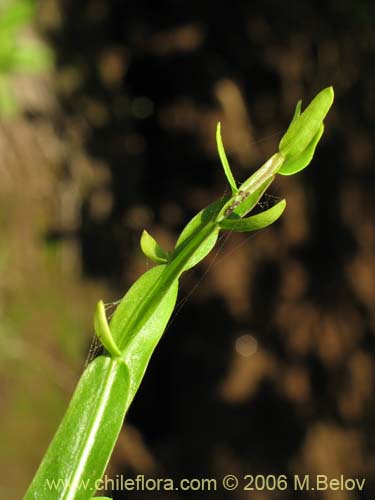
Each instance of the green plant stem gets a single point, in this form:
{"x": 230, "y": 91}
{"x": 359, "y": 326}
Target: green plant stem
{"x": 176, "y": 266}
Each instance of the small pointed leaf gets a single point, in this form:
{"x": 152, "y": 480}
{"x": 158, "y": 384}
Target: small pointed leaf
{"x": 224, "y": 160}
{"x": 303, "y": 129}
{"x": 297, "y": 111}
{"x": 103, "y": 331}
{"x": 255, "y": 222}
{"x": 152, "y": 249}
{"x": 296, "y": 164}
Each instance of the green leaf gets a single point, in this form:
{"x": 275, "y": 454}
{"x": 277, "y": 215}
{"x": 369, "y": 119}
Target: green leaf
{"x": 139, "y": 341}
{"x": 83, "y": 443}
{"x": 103, "y": 331}
{"x": 296, "y": 164}
{"x": 224, "y": 160}
{"x": 255, "y": 222}
{"x": 152, "y": 249}
{"x": 303, "y": 129}
{"x": 194, "y": 227}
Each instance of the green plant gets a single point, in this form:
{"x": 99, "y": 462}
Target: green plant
{"x": 17, "y": 55}
{"x": 84, "y": 441}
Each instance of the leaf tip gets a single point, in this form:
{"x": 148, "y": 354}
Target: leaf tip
{"x": 331, "y": 92}
{"x": 103, "y": 331}
{"x": 152, "y": 249}
{"x": 224, "y": 159}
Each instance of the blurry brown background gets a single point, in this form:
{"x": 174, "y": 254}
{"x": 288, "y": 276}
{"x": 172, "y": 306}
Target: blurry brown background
{"x": 268, "y": 366}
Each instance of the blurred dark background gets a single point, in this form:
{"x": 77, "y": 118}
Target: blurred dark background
{"x": 267, "y": 366}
